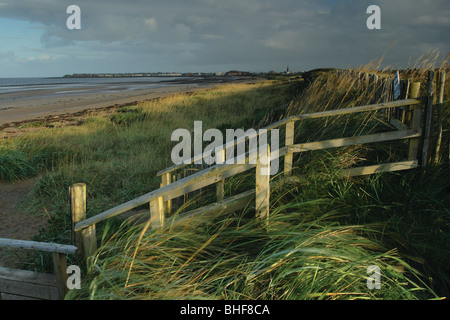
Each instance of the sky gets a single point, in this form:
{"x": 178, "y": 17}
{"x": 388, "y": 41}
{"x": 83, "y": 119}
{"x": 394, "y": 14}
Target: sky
{"x": 215, "y": 35}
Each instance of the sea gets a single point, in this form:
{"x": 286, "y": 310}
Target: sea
{"x": 85, "y": 85}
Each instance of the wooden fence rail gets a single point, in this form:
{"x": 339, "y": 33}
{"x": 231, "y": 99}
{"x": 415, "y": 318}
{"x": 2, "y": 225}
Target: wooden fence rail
{"x": 23, "y": 284}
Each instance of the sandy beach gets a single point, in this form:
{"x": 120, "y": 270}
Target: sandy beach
{"x": 39, "y": 105}
{"x": 20, "y": 107}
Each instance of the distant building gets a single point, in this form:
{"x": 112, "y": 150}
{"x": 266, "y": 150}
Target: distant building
{"x": 235, "y": 73}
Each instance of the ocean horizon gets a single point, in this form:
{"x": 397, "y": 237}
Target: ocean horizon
{"x": 62, "y": 86}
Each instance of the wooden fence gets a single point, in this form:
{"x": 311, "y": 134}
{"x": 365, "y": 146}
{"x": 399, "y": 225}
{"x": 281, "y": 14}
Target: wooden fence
{"x": 409, "y": 123}
{"x": 409, "y": 126}
{"x": 24, "y": 285}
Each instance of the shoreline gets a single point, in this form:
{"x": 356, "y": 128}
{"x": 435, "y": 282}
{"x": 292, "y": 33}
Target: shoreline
{"x": 29, "y": 107}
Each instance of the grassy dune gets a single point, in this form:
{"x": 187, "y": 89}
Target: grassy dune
{"x": 117, "y": 155}
{"x": 324, "y": 231}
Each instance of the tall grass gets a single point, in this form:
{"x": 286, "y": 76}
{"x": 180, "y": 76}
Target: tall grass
{"x": 409, "y": 209}
{"x": 14, "y": 165}
{"x": 324, "y": 231}
{"x": 305, "y": 253}
{"x": 117, "y": 155}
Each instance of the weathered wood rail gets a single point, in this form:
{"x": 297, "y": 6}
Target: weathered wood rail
{"x": 27, "y": 285}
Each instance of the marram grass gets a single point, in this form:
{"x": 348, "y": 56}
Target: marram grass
{"x": 323, "y": 235}
{"x": 301, "y": 255}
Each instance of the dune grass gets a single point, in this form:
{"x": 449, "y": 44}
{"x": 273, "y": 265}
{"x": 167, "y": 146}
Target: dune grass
{"x": 234, "y": 258}
{"x": 324, "y": 231}
{"x": 118, "y": 155}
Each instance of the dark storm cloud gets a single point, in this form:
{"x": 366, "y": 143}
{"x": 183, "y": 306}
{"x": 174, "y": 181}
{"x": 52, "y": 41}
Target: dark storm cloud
{"x": 248, "y": 34}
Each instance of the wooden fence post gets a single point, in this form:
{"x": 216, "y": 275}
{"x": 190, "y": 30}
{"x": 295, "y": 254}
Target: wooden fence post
{"x": 428, "y": 120}
{"x": 388, "y": 94}
{"x": 60, "y": 270}
{"x": 166, "y": 180}
{"x": 179, "y": 200}
{"x": 414, "y": 93}
{"x": 407, "y": 89}
{"x": 220, "y": 186}
{"x": 78, "y": 208}
{"x": 89, "y": 241}
{"x": 415, "y": 122}
{"x": 405, "y": 95}
{"x": 289, "y": 157}
{"x": 440, "y": 105}
{"x": 85, "y": 240}
{"x": 263, "y": 184}
{"x": 157, "y": 215}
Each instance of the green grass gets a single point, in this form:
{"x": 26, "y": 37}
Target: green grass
{"x": 14, "y": 165}
{"x": 34, "y": 124}
{"x": 310, "y": 250}
{"x": 118, "y": 155}
{"x": 324, "y": 231}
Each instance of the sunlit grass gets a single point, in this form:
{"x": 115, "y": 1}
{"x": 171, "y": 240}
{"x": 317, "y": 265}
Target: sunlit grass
{"x": 305, "y": 253}
{"x": 324, "y": 231}
{"x": 117, "y": 155}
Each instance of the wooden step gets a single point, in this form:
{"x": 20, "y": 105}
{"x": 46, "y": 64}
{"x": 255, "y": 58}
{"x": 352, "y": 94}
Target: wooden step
{"x": 25, "y": 285}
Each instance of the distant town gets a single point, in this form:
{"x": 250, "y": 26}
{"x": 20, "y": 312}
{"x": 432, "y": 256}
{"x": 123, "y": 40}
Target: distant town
{"x": 232, "y": 73}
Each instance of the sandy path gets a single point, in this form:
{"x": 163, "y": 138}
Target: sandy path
{"x": 14, "y": 223}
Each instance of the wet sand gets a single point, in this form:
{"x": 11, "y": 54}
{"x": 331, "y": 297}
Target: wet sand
{"x": 19, "y": 107}
{"x": 39, "y": 105}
